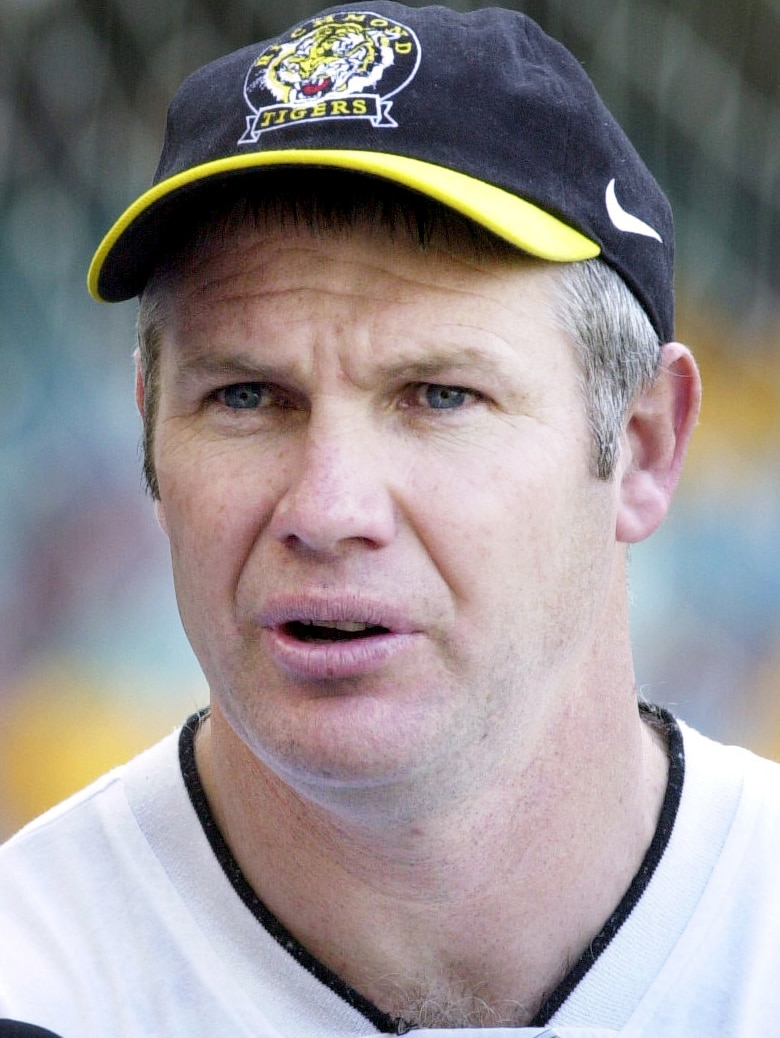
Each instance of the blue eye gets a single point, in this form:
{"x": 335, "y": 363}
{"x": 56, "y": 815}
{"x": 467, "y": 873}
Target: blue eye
{"x": 445, "y": 397}
{"x": 243, "y": 396}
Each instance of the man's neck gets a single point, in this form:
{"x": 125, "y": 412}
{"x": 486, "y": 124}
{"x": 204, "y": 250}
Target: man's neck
{"x": 461, "y": 918}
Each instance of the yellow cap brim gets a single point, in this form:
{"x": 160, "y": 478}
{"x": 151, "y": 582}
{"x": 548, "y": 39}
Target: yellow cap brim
{"x": 514, "y": 219}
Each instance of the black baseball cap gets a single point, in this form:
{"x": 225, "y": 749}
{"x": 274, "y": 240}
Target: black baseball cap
{"x": 482, "y": 111}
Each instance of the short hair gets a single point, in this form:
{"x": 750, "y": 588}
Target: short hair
{"x": 617, "y": 349}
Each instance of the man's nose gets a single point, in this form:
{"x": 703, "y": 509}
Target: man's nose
{"x": 337, "y": 491}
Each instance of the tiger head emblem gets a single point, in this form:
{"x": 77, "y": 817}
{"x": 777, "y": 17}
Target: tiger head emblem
{"x": 331, "y": 59}
{"x": 356, "y": 55}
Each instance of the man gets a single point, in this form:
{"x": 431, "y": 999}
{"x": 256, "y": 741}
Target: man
{"x": 410, "y": 389}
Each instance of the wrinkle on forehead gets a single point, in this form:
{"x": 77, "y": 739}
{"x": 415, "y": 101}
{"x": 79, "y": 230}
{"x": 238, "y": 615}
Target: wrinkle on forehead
{"x": 379, "y": 267}
{"x": 278, "y": 309}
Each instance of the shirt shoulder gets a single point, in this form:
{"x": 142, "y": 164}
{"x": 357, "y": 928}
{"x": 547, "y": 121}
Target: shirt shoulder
{"x": 698, "y": 954}
{"x": 114, "y": 904}
{"x": 71, "y": 883}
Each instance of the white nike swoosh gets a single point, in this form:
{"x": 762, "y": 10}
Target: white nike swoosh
{"x": 625, "y": 221}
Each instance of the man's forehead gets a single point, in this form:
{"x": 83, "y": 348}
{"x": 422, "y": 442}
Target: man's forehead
{"x": 267, "y": 272}
{"x": 370, "y": 263}
{"x": 275, "y": 307}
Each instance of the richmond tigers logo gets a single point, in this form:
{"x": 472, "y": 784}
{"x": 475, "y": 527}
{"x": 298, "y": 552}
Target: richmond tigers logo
{"x": 333, "y": 67}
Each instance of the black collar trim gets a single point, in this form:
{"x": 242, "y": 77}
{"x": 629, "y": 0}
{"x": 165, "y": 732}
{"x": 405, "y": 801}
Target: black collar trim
{"x": 384, "y": 1023}
{"x": 662, "y": 720}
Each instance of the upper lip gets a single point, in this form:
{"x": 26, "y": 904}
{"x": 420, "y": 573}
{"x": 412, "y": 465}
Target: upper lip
{"x": 335, "y": 609}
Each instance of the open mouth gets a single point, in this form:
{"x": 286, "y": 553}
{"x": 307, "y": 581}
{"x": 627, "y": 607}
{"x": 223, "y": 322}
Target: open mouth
{"x": 340, "y": 631}
{"x": 325, "y": 642}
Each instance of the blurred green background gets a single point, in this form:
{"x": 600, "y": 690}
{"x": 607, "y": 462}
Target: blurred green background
{"x": 93, "y": 664}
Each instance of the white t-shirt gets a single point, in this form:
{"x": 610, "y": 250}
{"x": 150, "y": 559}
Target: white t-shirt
{"x": 122, "y": 913}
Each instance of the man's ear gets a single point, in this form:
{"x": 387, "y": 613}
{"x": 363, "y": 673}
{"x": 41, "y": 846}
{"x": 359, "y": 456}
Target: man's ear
{"x": 159, "y": 512}
{"x": 140, "y": 391}
{"x": 659, "y": 427}
{"x": 140, "y": 403}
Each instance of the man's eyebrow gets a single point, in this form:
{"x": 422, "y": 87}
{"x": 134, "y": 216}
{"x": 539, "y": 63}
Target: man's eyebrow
{"x": 459, "y": 359}
{"x": 206, "y": 365}
{"x": 233, "y": 367}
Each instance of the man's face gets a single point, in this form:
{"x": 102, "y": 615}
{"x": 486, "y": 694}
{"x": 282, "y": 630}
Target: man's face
{"x": 388, "y": 550}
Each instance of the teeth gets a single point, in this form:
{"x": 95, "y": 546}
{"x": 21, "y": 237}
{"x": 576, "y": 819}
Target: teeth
{"x": 350, "y": 626}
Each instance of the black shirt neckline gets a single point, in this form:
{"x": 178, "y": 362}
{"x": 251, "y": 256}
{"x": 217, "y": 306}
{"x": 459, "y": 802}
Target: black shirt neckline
{"x": 385, "y": 1023}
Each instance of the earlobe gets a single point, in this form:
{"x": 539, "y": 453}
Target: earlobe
{"x": 140, "y": 403}
{"x": 658, "y": 430}
{"x": 139, "y": 385}
{"x": 159, "y": 512}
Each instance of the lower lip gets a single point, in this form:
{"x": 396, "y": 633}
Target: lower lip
{"x": 332, "y": 661}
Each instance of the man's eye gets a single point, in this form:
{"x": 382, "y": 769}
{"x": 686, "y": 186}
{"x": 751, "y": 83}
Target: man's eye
{"x": 244, "y": 396}
{"x": 442, "y": 398}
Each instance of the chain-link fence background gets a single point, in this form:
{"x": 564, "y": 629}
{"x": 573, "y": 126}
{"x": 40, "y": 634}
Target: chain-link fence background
{"x": 92, "y": 661}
